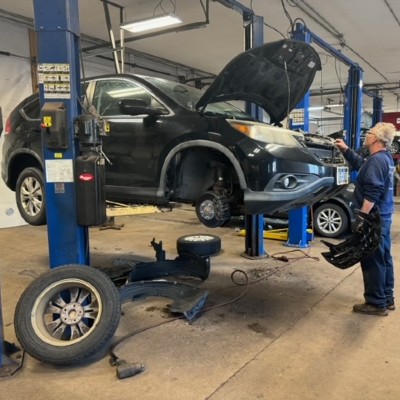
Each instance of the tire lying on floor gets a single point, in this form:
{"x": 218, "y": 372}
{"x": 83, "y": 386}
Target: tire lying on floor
{"x": 67, "y": 314}
{"x": 202, "y": 244}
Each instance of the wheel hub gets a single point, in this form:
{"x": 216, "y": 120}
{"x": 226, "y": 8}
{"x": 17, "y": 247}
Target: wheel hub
{"x": 72, "y": 313}
{"x": 207, "y": 209}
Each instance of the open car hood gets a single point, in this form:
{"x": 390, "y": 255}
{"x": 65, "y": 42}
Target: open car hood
{"x": 275, "y": 76}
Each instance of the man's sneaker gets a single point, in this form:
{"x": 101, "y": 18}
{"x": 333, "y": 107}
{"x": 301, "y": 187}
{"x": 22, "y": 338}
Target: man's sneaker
{"x": 391, "y": 307}
{"x": 369, "y": 309}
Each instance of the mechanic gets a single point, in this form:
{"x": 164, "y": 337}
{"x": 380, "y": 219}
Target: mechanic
{"x": 374, "y": 193}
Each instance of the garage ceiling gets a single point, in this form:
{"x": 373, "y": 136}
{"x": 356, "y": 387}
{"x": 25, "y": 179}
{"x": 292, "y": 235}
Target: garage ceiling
{"x": 366, "y": 31}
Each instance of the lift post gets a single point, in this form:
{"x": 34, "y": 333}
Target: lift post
{"x": 353, "y": 90}
{"x": 377, "y": 109}
{"x": 298, "y": 235}
{"x": 57, "y": 29}
{"x": 298, "y": 219}
{"x": 254, "y": 224}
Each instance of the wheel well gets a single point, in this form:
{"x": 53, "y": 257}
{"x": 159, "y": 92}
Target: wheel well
{"x": 206, "y": 167}
{"x": 18, "y": 164}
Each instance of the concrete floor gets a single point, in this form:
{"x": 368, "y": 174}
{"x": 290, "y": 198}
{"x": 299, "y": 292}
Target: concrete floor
{"x": 292, "y": 336}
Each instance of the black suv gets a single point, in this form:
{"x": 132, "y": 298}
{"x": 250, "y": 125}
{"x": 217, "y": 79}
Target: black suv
{"x": 169, "y": 142}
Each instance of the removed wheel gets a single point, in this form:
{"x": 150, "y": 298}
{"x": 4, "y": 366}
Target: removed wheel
{"x": 30, "y": 196}
{"x": 212, "y": 209}
{"x": 67, "y": 315}
{"x": 200, "y": 244}
{"x": 330, "y": 220}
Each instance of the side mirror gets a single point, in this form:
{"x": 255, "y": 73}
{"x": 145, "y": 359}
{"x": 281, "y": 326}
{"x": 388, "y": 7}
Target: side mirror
{"x": 137, "y": 107}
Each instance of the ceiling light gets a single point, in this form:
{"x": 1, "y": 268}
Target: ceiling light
{"x": 316, "y": 108}
{"x": 333, "y": 105}
{"x": 146, "y": 24}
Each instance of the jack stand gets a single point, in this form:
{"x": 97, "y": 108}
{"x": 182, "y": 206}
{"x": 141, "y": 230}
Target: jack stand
{"x": 8, "y": 366}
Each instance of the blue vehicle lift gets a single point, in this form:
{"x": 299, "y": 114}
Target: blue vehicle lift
{"x": 377, "y": 108}
{"x": 298, "y": 219}
{"x": 254, "y": 224}
{"x": 57, "y": 28}
{"x": 253, "y": 37}
{"x": 353, "y": 91}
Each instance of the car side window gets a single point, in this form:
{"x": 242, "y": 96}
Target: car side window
{"x": 108, "y": 94}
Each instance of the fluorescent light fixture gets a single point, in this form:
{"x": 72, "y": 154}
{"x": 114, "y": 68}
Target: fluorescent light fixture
{"x": 146, "y": 24}
{"x": 319, "y": 108}
{"x": 333, "y": 105}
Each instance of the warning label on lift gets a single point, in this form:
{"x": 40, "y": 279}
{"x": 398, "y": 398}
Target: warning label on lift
{"x": 56, "y": 80}
{"x": 59, "y": 171}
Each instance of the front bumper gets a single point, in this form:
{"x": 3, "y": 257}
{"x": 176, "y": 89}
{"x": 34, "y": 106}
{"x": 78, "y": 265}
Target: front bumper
{"x": 269, "y": 201}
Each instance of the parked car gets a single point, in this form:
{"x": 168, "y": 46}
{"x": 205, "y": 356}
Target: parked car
{"x": 169, "y": 142}
{"x": 333, "y": 217}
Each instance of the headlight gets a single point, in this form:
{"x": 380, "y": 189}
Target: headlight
{"x": 267, "y": 133}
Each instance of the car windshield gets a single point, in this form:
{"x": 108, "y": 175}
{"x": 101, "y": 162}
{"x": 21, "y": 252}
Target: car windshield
{"x": 188, "y": 96}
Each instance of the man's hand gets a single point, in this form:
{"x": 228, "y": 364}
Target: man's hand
{"x": 358, "y": 224}
{"x": 341, "y": 145}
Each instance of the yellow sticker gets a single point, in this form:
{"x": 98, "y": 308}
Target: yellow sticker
{"x": 47, "y": 121}
{"x": 58, "y": 155}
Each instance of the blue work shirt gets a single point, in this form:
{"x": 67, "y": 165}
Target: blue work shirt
{"x": 374, "y": 181}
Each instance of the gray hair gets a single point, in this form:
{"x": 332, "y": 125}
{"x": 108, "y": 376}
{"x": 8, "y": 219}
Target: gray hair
{"x": 384, "y": 132}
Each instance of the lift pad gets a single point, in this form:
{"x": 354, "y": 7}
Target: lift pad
{"x": 279, "y": 234}
{"x": 185, "y": 264}
{"x": 142, "y": 280}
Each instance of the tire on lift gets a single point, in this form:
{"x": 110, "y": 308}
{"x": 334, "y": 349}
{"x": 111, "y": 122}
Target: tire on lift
{"x": 202, "y": 244}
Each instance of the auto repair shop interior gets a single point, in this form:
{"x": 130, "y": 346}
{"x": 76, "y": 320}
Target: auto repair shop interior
{"x": 167, "y": 190}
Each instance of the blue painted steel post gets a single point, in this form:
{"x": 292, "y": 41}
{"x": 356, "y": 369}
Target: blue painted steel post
{"x": 377, "y": 107}
{"x": 353, "y": 108}
{"x": 57, "y": 28}
{"x": 254, "y": 224}
{"x": 298, "y": 235}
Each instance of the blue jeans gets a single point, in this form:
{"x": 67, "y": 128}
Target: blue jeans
{"x": 378, "y": 272}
